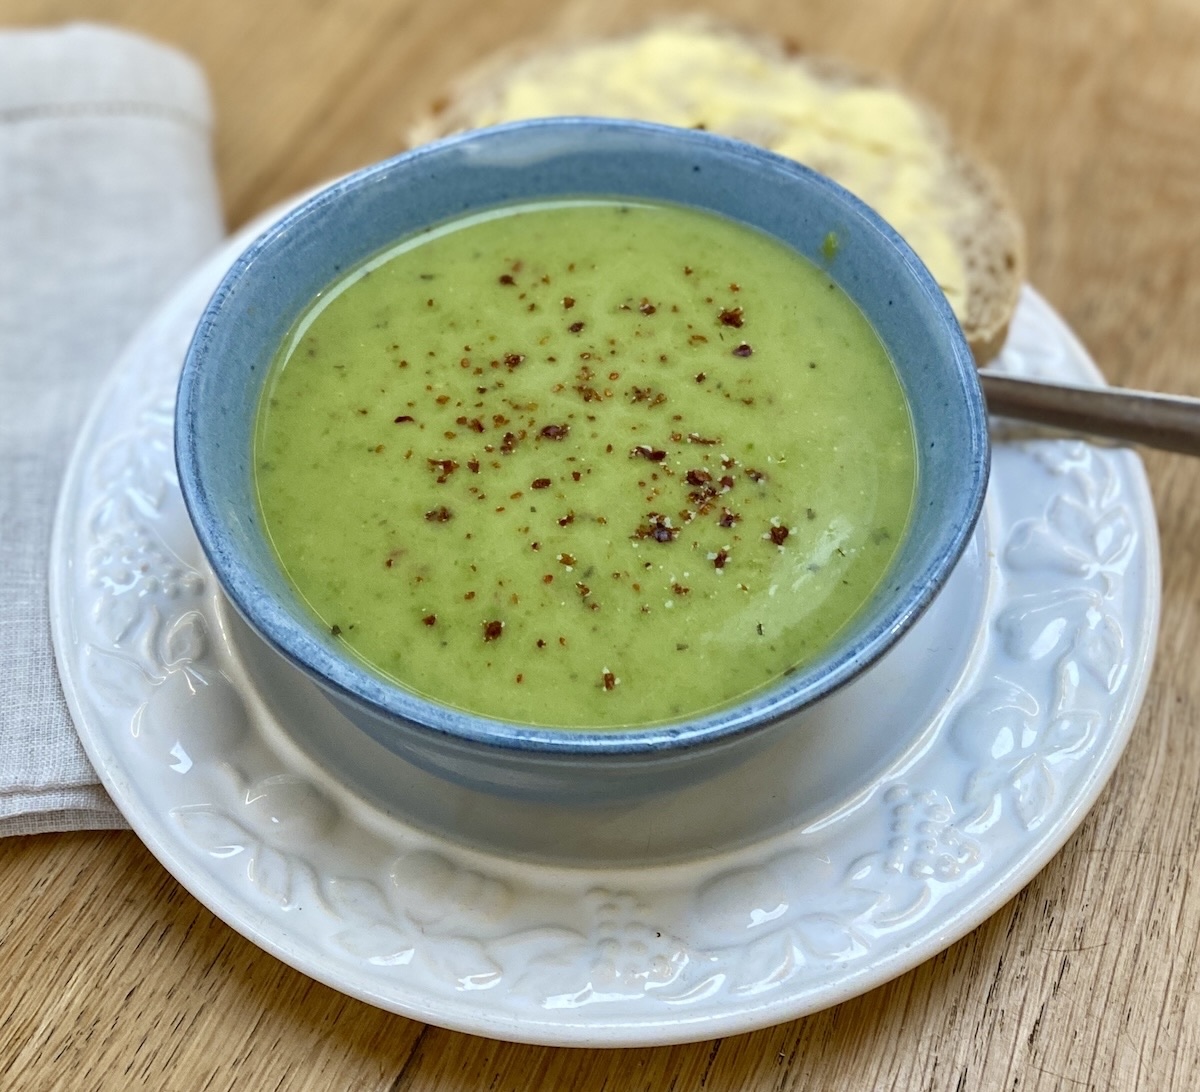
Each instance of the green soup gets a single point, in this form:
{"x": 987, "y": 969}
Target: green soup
{"x": 585, "y": 463}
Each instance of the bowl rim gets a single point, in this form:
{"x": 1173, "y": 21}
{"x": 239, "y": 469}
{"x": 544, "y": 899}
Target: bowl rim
{"x": 351, "y": 680}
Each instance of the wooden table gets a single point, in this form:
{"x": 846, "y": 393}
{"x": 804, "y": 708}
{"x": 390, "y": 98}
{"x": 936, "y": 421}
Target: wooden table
{"x": 112, "y": 976}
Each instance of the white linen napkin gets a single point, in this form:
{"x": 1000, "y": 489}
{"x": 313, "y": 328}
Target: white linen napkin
{"x": 107, "y": 198}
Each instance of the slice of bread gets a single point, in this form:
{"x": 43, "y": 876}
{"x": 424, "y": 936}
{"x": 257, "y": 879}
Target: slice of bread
{"x": 874, "y": 139}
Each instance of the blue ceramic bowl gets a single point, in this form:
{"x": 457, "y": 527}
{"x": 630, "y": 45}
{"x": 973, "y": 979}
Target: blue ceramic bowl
{"x": 283, "y": 270}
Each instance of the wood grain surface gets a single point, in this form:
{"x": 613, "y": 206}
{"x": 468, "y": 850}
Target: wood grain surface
{"x": 113, "y": 977}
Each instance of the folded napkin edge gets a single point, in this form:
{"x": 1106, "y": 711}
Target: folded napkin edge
{"x": 97, "y": 70}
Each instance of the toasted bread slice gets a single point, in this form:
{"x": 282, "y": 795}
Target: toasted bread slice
{"x": 874, "y": 139}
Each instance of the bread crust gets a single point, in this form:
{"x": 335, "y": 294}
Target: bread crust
{"x": 980, "y": 218}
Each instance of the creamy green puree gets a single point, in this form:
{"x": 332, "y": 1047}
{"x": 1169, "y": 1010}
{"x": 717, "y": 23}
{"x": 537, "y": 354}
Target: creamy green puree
{"x": 584, "y": 463}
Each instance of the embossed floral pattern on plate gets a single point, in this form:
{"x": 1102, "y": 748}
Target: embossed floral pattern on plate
{"x": 981, "y": 789}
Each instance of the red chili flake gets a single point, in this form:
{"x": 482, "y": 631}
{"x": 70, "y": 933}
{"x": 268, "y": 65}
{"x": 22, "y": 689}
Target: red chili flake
{"x": 575, "y": 327}
{"x": 647, "y": 394}
{"x": 696, "y": 438}
{"x": 476, "y": 425}
{"x": 754, "y": 475}
{"x": 583, "y": 589}
{"x": 700, "y": 377}
{"x": 509, "y": 443}
{"x": 609, "y": 680}
{"x": 567, "y": 520}
{"x": 646, "y": 307}
{"x": 469, "y": 596}
{"x": 657, "y": 527}
{"x": 446, "y": 466}
{"x": 473, "y": 465}
{"x": 555, "y": 432}
{"x": 734, "y": 286}
{"x": 687, "y": 270}
{"x": 441, "y": 514}
{"x": 513, "y": 359}
{"x": 492, "y": 630}
{"x": 541, "y": 643}
{"x": 731, "y": 316}
{"x": 645, "y": 451}
{"x": 679, "y": 589}
{"x": 403, "y": 419}
{"x": 540, "y": 483}
{"x": 728, "y": 518}
{"x": 568, "y": 302}
{"x": 429, "y": 619}
{"x": 575, "y": 475}
{"x": 698, "y": 476}
{"x": 548, "y": 578}
{"x": 778, "y": 535}
{"x": 589, "y": 394}
{"x": 506, "y": 278}
{"x": 727, "y": 483}
{"x": 389, "y": 563}
{"x": 743, "y": 350}
{"x": 720, "y": 558}
{"x": 698, "y": 339}
{"x": 567, "y": 559}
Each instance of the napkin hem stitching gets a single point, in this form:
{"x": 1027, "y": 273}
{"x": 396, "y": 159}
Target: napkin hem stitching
{"x": 52, "y": 112}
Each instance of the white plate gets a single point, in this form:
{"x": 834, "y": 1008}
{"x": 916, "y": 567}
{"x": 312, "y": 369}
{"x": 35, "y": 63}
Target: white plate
{"x": 893, "y": 820}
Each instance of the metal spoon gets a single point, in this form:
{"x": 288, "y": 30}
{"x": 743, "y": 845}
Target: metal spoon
{"x": 1166, "y": 421}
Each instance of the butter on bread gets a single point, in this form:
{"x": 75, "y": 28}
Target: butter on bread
{"x": 874, "y": 139}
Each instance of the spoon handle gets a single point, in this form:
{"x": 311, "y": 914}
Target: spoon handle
{"x": 1165, "y": 421}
